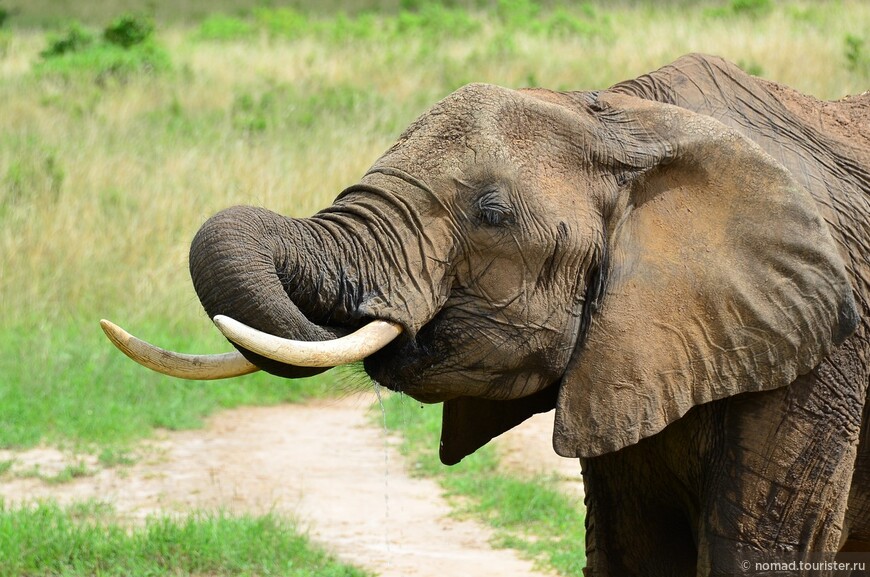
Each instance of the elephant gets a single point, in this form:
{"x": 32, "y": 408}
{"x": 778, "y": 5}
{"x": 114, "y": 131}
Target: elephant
{"x": 678, "y": 265}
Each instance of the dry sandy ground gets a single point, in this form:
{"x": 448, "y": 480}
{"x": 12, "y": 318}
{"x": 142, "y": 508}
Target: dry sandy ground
{"x": 325, "y": 463}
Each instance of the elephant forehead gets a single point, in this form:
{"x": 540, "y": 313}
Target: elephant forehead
{"x": 475, "y": 112}
{"x": 457, "y": 114}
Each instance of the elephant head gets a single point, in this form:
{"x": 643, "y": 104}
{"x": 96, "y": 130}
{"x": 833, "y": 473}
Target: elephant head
{"x": 619, "y": 259}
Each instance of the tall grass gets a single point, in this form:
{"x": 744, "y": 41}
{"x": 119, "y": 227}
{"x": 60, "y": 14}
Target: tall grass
{"x": 105, "y": 177}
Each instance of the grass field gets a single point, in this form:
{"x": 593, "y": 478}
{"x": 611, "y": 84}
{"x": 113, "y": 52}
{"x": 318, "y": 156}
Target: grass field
{"x": 111, "y": 157}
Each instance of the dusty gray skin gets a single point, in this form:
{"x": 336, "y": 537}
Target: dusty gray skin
{"x": 678, "y": 265}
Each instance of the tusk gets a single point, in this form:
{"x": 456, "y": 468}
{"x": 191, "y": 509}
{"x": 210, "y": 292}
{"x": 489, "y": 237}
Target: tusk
{"x": 194, "y": 367}
{"x": 348, "y": 349}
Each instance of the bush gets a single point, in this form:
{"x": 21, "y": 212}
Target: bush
{"x": 128, "y": 31}
{"x": 76, "y": 39}
{"x": 125, "y": 47}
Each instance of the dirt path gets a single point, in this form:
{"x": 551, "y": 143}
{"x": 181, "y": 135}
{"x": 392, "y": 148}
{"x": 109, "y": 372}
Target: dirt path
{"x": 324, "y": 463}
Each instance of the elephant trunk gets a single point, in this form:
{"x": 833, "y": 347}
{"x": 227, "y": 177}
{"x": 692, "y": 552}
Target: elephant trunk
{"x": 259, "y": 268}
{"x": 357, "y": 274}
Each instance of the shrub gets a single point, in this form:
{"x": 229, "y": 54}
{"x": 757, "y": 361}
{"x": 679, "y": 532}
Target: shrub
{"x": 128, "y": 31}
{"x": 126, "y": 46}
{"x": 75, "y": 39}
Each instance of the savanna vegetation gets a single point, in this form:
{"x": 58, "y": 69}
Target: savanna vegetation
{"x": 122, "y": 131}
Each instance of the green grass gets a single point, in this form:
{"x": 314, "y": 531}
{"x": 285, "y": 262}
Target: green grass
{"x": 529, "y": 515}
{"x": 46, "y": 539}
{"x": 64, "y": 385}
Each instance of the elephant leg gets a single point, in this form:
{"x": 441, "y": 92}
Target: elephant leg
{"x": 757, "y": 473}
{"x": 629, "y": 532}
{"x": 780, "y": 476}
{"x": 641, "y": 509}
{"x": 856, "y": 534}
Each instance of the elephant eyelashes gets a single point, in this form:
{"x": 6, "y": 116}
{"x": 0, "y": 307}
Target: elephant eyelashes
{"x": 493, "y": 210}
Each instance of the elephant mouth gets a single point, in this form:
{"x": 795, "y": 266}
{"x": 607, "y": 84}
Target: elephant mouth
{"x": 444, "y": 360}
{"x": 404, "y": 364}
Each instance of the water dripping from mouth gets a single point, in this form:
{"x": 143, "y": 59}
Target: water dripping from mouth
{"x": 379, "y": 393}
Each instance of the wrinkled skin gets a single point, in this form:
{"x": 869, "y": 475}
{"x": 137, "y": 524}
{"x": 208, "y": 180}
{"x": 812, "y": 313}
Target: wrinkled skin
{"x": 678, "y": 265}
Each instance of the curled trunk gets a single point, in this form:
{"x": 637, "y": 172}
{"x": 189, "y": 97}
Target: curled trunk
{"x": 247, "y": 263}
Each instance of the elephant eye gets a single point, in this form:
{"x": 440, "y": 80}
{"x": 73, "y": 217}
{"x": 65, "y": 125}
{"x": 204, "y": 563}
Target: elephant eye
{"x": 493, "y": 209}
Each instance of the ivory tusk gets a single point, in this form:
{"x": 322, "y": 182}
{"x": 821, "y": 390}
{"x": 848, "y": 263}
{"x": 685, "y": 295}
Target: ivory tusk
{"x": 348, "y": 349}
{"x": 194, "y": 367}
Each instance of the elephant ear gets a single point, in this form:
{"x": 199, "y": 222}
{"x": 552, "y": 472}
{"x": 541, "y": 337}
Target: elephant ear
{"x": 723, "y": 279}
